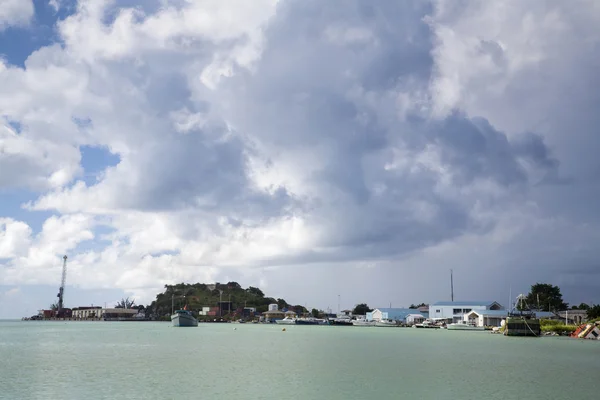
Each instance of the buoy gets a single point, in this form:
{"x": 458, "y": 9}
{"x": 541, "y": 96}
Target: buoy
{"x": 235, "y": 329}
{"x": 283, "y": 330}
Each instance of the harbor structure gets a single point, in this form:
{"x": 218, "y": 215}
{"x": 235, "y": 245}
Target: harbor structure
{"x": 391, "y": 314}
{"x": 494, "y": 318}
{"x": 455, "y": 311}
{"x": 90, "y": 312}
{"x": 522, "y": 321}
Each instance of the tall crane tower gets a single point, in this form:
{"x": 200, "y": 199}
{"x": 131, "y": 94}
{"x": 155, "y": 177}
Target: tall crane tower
{"x": 61, "y": 291}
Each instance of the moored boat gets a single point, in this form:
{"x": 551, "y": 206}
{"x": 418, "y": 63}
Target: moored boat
{"x": 464, "y": 326}
{"x": 307, "y": 321}
{"x": 363, "y": 322}
{"x": 181, "y": 318}
{"x": 286, "y": 321}
{"x": 521, "y": 321}
{"x": 427, "y": 324}
{"x": 386, "y": 323}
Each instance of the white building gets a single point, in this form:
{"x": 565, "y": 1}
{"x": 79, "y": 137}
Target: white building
{"x": 390, "y": 314}
{"x": 495, "y": 317}
{"x": 87, "y": 312}
{"x": 456, "y": 310}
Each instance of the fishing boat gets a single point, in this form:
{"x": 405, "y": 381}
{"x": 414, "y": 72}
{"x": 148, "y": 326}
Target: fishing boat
{"x": 521, "y": 321}
{"x": 464, "y": 326}
{"x": 181, "y": 318}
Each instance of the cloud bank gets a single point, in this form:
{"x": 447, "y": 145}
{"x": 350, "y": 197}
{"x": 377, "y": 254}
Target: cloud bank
{"x": 298, "y": 143}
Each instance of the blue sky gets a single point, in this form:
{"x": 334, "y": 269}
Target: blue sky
{"x": 375, "y": 146}
{"x": 17, "y": 43}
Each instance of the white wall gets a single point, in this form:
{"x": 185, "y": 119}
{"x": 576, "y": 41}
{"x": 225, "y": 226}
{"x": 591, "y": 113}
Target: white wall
{"x": 448, "y": 311}
{"x": 377, "y": 315}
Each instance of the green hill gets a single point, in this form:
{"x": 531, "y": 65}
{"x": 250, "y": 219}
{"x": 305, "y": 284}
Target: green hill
{"x": 198, "y": 295}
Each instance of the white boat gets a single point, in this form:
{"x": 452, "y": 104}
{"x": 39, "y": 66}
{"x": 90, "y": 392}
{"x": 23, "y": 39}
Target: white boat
{"x": 464, "y": 326}
{"x": 427, "y": 324}
{"x": 363, "y": 322}
{"x": 183, "y": 318}
{"x": 286, "y": 321}
{"x": 386, "y": 323}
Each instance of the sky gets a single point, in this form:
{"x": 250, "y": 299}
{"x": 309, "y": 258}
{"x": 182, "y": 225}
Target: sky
{"x": 352, "y": 151}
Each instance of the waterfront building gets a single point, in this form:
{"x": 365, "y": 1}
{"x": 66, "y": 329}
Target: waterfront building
{"x": 86, "y": 312}
{"x": 210, "y": 311}
{"x": 273, "y": 315}
{"x": 495, "y": 317}
{"x": 391, "y": 314}
{"x": 118, "y": 314}
{"x": 455, "y": 311}
{"x": 576, "y": 317}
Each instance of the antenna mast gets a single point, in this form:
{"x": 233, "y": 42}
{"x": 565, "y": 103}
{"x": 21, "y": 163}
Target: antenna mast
{"x": 451, "y": 286}
{"x": 61, "y": 290}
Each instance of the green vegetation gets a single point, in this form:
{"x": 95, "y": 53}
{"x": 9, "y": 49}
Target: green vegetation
{"x": 361, "y": 309}
{"x": 556, "y": 327}
{"x": 593, "y": 312}
{"x": 581, "y": 306}
{"x": 200, "y": 295}
{"x": 546, "y": 297}
{"x": 125, "y": 303}
{"x": 415, "y": 306}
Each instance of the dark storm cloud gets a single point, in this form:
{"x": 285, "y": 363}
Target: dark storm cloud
{"x": 303, "y": 99}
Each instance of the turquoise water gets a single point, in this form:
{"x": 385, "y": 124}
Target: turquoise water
{"x": 147, "y": 360}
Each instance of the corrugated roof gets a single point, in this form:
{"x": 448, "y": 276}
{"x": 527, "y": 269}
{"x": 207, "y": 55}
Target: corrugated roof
{"x": 388, "y": 310}
{"x": 464, "y": 303}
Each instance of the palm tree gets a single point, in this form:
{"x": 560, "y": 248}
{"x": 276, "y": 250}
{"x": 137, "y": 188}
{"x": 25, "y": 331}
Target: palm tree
{"x": 125, "y": 303}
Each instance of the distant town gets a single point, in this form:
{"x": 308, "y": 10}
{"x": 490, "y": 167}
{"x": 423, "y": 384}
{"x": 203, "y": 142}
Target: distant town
{"x": 229, "y": 302}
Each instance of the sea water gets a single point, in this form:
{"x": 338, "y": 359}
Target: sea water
{"x": 152, "y": 360}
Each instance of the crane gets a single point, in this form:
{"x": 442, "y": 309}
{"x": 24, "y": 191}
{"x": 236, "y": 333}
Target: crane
{"x": 61, "y": 290}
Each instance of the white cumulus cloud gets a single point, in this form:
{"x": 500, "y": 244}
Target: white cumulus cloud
{"x": 296, "y": 143}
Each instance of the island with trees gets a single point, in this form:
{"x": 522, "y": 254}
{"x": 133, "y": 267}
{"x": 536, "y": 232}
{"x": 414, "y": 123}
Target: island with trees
{"x": 230, "y": 298}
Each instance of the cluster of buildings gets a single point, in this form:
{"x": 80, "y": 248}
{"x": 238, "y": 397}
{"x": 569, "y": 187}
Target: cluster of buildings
{"x": 94, "y": 313}
{"x": 479, "y": 313}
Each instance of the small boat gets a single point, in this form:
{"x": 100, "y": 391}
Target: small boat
{"x": 427, "y": 325}
{"x": 286, "y": 321}
{"x": 182, "y": 318}
{"x": 363, "y": 322}
{"x": 341, "y": 321}
{"x": 307, "y": 321}
{"x": 464, "y": 326}
{"x": 386, "y": 323}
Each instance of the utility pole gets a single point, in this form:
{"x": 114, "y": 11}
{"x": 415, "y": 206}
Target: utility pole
{"x": 220, "y": 303}
{"x": 451, "y": 287}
